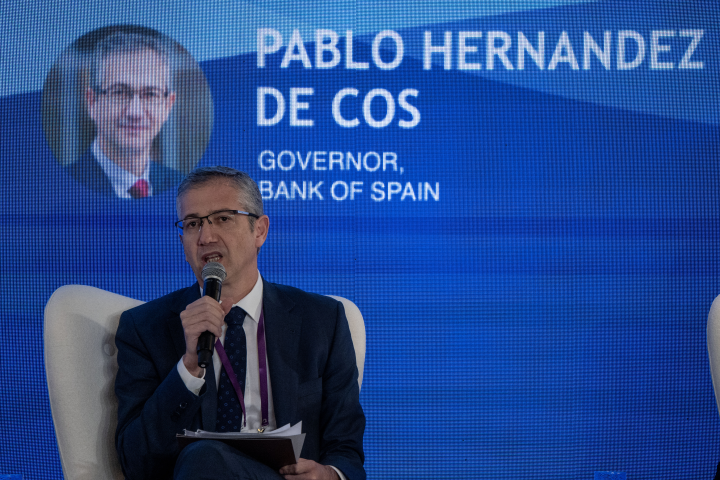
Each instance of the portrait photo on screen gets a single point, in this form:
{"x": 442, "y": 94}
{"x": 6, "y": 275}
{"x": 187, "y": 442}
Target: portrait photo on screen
{"x": 127, "y": 111}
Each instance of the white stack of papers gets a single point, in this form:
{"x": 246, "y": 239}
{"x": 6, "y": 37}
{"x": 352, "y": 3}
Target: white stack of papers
{"x": 268, "y": 443}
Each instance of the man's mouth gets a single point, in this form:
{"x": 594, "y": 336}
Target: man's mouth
{"x": 212, "y": 257}
{"x": 133, "y": 128}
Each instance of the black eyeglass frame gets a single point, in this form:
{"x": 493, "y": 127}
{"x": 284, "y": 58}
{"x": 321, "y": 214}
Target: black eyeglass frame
{"x": 106, "y": 91}
{"x": 202, "y": 219}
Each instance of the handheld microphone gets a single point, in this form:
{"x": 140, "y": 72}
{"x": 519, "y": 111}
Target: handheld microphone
{"x": 213, "y": 275}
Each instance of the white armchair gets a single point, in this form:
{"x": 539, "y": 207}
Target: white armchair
{"x": 713, "y": 344}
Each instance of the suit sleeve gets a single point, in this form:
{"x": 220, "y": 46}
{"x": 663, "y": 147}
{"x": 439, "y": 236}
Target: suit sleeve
{"x": 342, "y": 420}
{"x": 153, "y": 407}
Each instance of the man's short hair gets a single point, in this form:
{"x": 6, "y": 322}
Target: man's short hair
{"x": 127, "y": 42}
{"x": 249, "y": 191}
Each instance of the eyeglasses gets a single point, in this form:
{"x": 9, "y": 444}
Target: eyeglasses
{"x": 222, "y": 220}
{"x": 122, "y": 95}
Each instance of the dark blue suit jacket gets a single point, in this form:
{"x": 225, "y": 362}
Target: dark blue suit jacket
{"x": 87, "y": 171}
{"x": 312, "y": 372}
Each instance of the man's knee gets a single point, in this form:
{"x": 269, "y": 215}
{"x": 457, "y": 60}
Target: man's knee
{"x": 203, "y": 449}
{"x": 212, "y": 459}
{"x": 201, "y": 459}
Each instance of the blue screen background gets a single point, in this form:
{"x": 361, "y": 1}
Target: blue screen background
{"x": 544, "y": 318}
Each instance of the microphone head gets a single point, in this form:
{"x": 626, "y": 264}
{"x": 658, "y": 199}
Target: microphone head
{"x": 214, "y": 270}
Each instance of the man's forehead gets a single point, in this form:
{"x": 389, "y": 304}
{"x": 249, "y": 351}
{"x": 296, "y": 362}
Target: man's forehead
{"x": 143, "y": 68}
{"x": 210, "y": 196}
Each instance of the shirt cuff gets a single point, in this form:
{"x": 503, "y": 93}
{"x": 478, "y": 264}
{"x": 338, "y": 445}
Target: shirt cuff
{"x": 342, "y": 477}
{"x": 193, "y": 383}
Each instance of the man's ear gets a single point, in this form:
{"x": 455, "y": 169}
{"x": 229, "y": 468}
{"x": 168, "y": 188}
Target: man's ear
{"x": 262, "y": 225}
{"x": 90, "y": 101}
{"x": 169, "y": 102}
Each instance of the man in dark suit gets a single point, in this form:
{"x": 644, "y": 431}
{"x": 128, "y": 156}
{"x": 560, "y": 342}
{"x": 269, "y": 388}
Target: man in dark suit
{"x": 129, "y": 100}
{"x": 88, "y": 171}
{"x": 310, "y": 371}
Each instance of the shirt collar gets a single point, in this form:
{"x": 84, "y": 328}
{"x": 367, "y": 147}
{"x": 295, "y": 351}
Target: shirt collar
{"x": 252, "y": 302}
{"x": 121, "y": 179}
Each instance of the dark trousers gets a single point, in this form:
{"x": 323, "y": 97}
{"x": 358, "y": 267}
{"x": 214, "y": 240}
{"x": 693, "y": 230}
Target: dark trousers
{"x": 213, "y": 460}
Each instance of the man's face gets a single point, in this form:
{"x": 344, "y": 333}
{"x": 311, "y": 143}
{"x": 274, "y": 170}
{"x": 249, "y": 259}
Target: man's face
{"x": 236, "y": 247}
{"x": 129, "y": 127}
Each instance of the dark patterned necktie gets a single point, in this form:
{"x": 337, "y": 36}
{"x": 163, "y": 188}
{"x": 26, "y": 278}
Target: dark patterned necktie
{"x": 229, "y": 412}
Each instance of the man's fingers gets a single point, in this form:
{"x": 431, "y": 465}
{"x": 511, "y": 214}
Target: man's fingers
{"x": 307, "y": 469}
{"x": 296, "y": 469}
{"x": 191, "y": 323}
{"x": 288, "y": 470}
{"x": 203, "y": 310}
{"x": 196, "y": 329}
{"x": 205, "y": 304}
{"x": 204, "y": 314}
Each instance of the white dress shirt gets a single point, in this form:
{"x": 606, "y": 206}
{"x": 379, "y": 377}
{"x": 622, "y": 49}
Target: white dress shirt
{"x": 120, "y": 179}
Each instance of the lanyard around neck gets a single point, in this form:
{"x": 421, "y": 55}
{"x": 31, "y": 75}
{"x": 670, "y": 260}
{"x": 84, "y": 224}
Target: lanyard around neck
{"x": 262, "y": 362}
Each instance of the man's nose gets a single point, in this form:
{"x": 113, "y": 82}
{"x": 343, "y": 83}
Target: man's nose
{"x": 207, "y": 233}
{"x": 135, "y": 107}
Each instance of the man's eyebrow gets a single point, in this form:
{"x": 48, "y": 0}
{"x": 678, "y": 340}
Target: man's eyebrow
{"x": 125, "y": 85}
{"x": 197, "y": 215}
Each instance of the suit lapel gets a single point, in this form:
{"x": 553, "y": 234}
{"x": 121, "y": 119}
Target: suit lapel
{"x": 208, "y": 408}
{"x": 174, "y": 323}
{"x": 282, "y": 337}
{"x": 102, "y": 182}
{"x": 87, "y": 171}
{"x": 158, "y": 178}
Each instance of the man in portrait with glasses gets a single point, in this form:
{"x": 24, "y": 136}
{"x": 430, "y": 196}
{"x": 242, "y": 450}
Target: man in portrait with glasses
{"x": 129, "y": 99}
{"x": 282, "y": 355}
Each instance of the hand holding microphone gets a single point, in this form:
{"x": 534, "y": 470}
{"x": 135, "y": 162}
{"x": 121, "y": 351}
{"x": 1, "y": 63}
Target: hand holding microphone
{"x": 213, "y": 274}
{"x": 203, "y": 319}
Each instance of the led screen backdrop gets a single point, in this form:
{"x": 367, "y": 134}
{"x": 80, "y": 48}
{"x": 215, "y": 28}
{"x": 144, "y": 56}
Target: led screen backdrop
{"x": 521, "y": 197}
